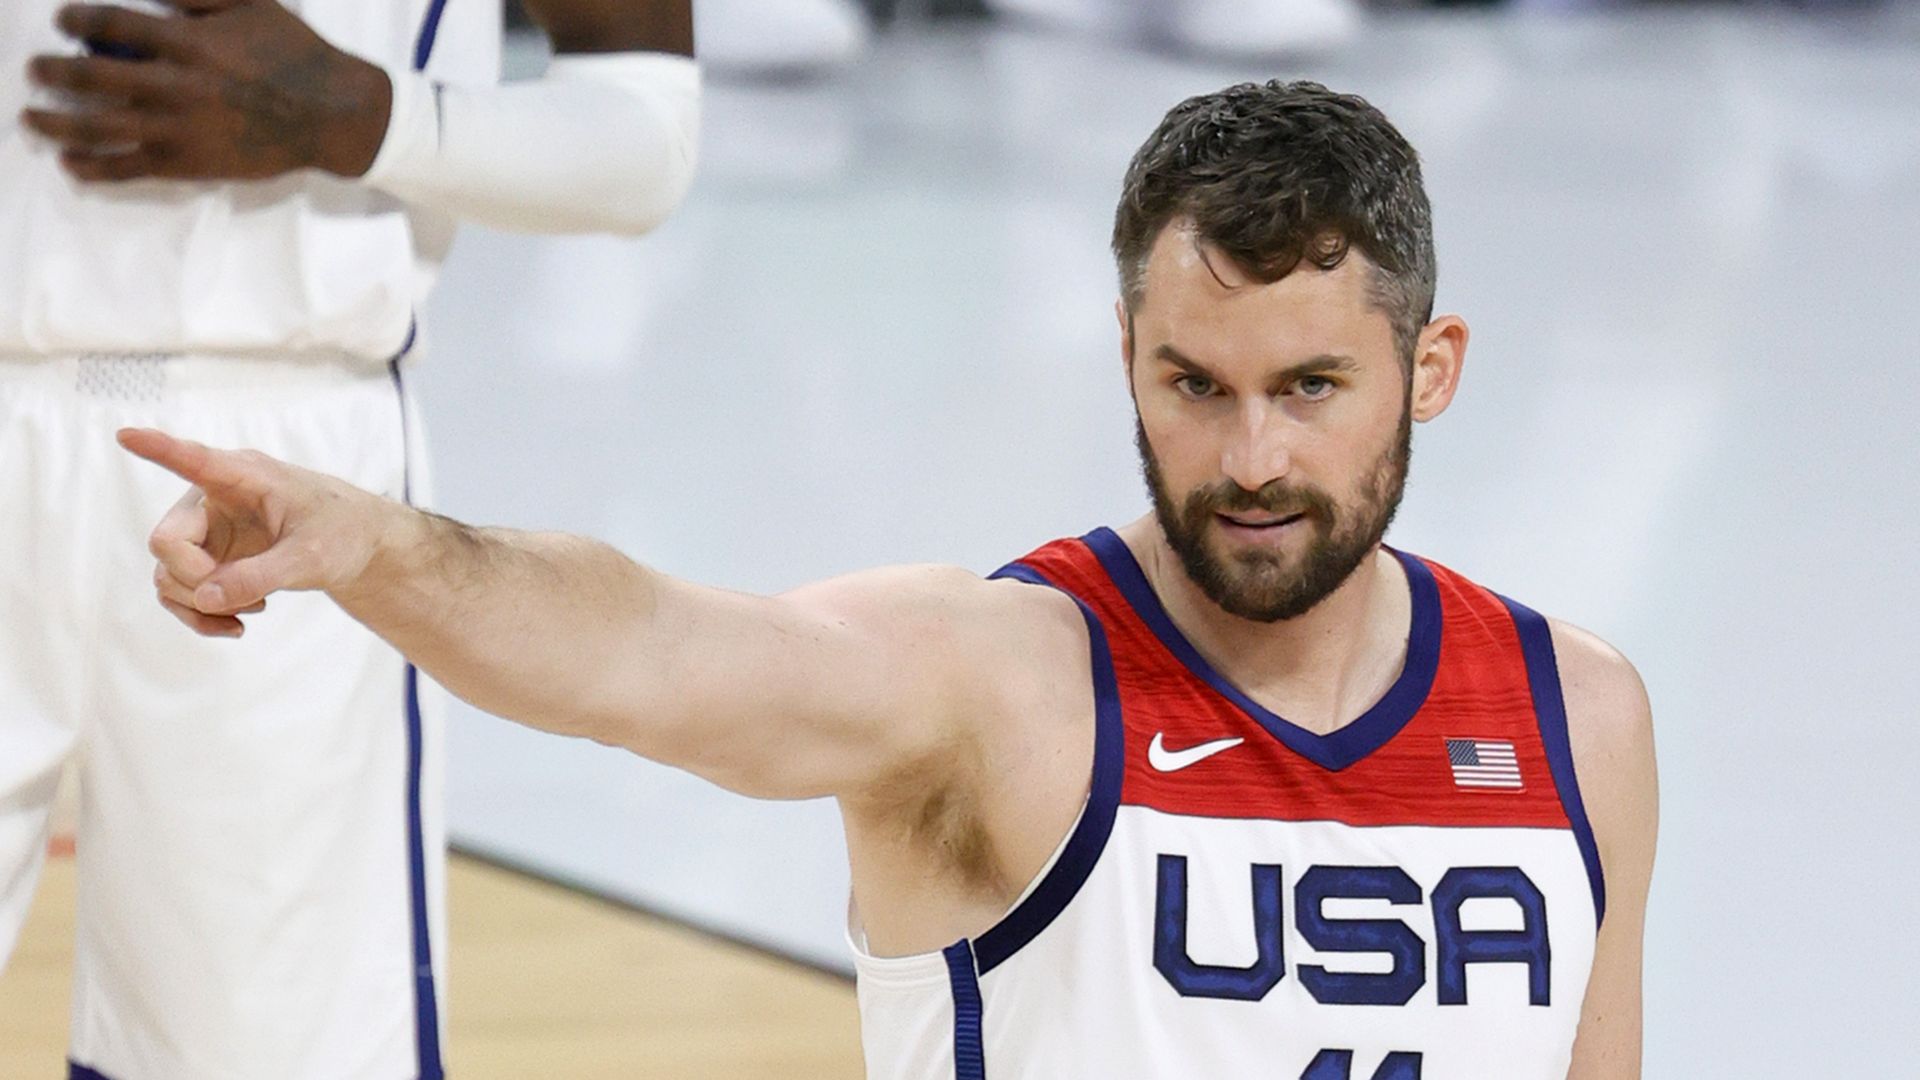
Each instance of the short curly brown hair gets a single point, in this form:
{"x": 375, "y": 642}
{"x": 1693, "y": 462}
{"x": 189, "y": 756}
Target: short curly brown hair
{"x": 1276, "y": 173}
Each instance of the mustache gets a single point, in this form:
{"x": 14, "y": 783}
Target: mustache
{"x": 1277, "y": 497}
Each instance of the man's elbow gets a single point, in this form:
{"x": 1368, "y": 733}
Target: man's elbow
{"x": 652, "y": 140}
{"x": 647, "y": 201}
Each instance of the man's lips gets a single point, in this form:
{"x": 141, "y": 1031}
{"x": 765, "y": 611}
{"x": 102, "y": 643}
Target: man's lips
{"x": 1259, "y": 521}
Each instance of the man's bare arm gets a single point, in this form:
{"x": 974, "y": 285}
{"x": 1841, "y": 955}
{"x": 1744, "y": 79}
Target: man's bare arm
{"x": 822, "y": 691}
{"x": 1610, "y": 725}
{"x": 838, "y": 688}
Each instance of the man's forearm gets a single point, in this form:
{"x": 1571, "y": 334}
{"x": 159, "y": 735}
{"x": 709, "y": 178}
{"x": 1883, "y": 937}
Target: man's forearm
{"x": 534, "y": 627}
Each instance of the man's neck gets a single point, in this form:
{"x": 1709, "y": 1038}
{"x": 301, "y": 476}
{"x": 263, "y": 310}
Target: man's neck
{"x": 1321, "y": 670}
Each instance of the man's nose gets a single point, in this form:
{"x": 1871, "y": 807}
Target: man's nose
{"x": 1258, "y": 451}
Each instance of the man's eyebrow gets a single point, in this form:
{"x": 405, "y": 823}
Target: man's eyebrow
{"x": 1312, "y": 365}
{"x": 1181, "y": 360}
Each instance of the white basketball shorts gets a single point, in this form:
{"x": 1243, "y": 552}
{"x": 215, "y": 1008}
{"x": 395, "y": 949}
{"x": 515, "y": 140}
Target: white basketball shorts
{"x": 260, "y": 837}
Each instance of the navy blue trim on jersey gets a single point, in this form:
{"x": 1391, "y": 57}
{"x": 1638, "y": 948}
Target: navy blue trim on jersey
{"x": 1075, "y": 864}
{"x": 969, "y": 1055}
{"x": 425, "y": 1003}
{"x": 77, "y": 1071}
{"x": 429, "y": 30}
{"x": 1337, "y": 749}
{"x": 1550, "y": 709}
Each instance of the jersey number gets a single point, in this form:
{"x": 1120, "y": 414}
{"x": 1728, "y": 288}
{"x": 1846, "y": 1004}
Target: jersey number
{"x": 1338, "y": 1065}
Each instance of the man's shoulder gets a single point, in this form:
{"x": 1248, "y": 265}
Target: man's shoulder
{"x": 1012, "y": 661}
{"x": 1610, "y": 728}
{"x": 1601, "y": 686}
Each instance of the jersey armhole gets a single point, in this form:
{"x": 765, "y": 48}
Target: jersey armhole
{"x": 1550, "y": 710}
{"x": 1077, "y": 857}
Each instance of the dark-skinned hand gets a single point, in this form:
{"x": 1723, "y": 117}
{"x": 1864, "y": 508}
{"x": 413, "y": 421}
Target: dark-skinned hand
{"x": 220, "y": 90}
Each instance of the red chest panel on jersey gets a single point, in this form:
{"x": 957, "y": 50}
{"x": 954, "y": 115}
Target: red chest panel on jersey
{"x": 1455, "y": 742}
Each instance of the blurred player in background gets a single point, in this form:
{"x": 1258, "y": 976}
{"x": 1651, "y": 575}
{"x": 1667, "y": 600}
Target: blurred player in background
{"x": 1233, "y": 791}
{"x": 222, "y": 216}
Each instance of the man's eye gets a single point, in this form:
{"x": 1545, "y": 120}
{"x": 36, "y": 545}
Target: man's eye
{"x": 1194, "y": 386}
{"x": 1314, "y": 387}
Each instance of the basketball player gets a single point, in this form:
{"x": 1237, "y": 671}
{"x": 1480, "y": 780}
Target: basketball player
{"x": 221, "y": 216}
{"x": 1233, "y": 791}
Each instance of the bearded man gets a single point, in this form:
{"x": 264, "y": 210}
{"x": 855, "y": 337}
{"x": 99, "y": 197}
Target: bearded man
{"x": 1233, "y": 791}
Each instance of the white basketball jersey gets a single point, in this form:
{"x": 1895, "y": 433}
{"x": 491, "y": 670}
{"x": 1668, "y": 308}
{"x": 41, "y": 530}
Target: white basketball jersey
{"x": 1412, "y": 897}
{"x": 304, "y": 263}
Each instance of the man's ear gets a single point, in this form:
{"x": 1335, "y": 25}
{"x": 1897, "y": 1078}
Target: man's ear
{"x": 1126, "y": 335}
{"x": 1437, "y": 359}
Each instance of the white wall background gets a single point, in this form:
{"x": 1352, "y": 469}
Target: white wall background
{"x": 880, "y": 332}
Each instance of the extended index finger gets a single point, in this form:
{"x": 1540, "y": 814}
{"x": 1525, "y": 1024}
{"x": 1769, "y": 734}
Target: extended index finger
{"x": 218, "y": 472}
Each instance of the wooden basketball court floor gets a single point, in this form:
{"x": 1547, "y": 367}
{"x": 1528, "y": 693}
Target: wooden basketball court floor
{"x": 543, "y": 982}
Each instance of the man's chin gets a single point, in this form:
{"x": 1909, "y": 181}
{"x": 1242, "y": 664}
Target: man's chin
{"x": 1261, "y": 584}
{"x": 1243, "y": 583}
{"x": 1255, "y": 605}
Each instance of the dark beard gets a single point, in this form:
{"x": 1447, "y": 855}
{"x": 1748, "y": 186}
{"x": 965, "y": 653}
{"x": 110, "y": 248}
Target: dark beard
{"x": 1260, "y": 585}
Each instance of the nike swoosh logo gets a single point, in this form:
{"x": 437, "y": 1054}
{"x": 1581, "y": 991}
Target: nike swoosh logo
{"x": 1165, "y": 760}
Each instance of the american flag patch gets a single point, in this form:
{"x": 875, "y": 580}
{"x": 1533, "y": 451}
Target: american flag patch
{"x": 1483, "y": 763}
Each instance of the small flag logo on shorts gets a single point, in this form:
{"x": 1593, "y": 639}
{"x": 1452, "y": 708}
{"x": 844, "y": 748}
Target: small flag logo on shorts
{"x": 1483, "y": 763}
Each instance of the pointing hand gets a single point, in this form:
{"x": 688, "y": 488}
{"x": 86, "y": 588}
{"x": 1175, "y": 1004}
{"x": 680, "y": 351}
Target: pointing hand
{"x": 250, "y": 526}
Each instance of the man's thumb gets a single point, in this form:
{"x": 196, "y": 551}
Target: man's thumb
{"x": 245, "y": 583}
